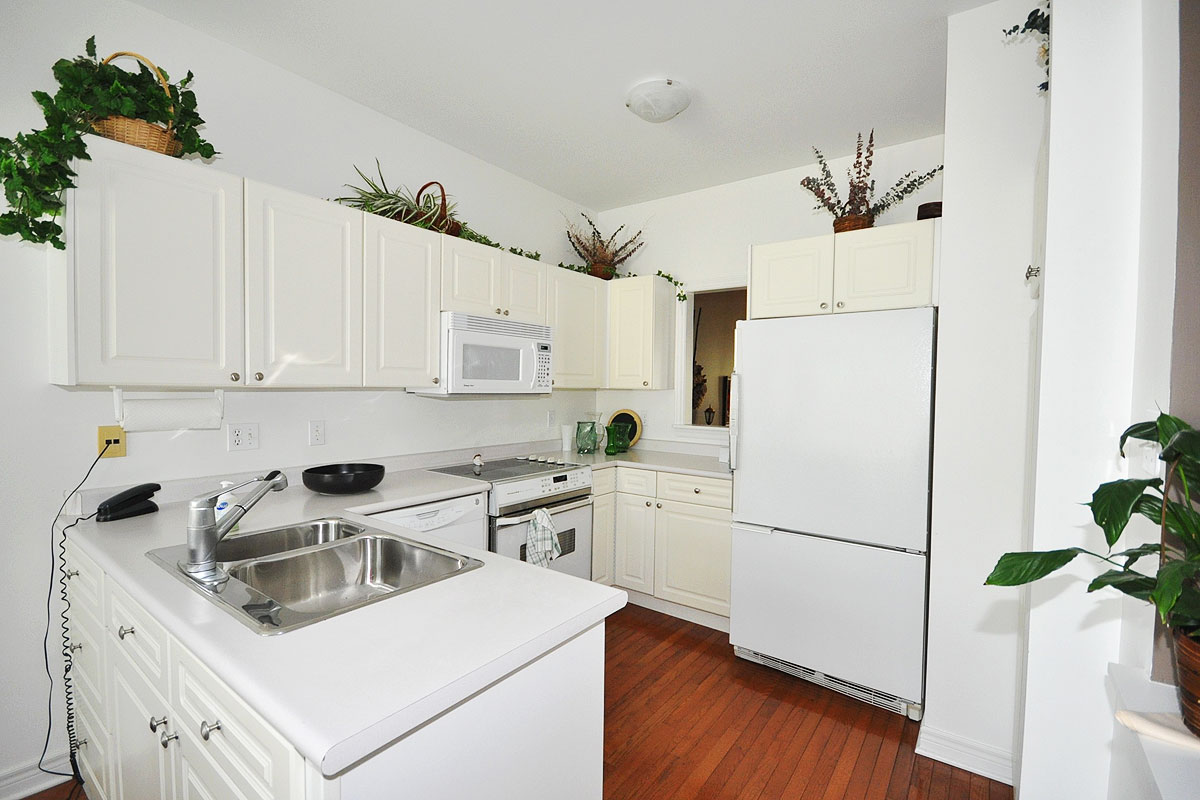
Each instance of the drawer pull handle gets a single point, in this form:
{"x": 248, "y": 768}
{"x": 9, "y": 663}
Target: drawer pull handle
{"x": 696, "y": 490}
{"x": 82, "y": 743}
{"x": 166, "y": 739}
{"x": 156, "y": 723}
{"x": 74, "y": 647}
{"x": 206, "y": 729}
{"x": 122, "y": 632}
{"x": 71, "y": 573}
{"x": 659, "y": 505}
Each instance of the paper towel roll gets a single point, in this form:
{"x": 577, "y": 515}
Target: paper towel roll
{"x": 568, "y": 434}
{"x": 172, "y": 414}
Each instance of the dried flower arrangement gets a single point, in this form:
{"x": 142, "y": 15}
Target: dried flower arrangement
{"x": 602, "y": 254}
{"x": 860, "y": 207}
{"x": 1038, "y": 24}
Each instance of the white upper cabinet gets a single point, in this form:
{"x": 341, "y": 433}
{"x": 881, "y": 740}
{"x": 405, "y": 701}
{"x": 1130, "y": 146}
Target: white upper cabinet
{"x": 641, "y": 333}
{"x": 401, "y": 298}
{"x": 526, "y": 279}
{"x": 873, "y": 269}
{"x": 304, "y": 290}
{"x": 882, "y": 268}
{"x": 791, "y": 279}
{"x": 578, "y": 315}
{"x": 489, "y": 282}
{"x": 152, "y": 294}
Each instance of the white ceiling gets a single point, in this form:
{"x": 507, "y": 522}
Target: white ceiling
{"x": 537, "y": 87}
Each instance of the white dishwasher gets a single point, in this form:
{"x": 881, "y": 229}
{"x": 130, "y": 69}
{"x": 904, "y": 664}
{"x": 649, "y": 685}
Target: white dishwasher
{"x": 462, "y": 520}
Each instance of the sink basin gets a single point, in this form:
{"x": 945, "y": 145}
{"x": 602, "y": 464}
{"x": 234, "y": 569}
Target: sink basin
{"x": 284, "y": 578}
{"x": 240, "y": 547}
{"x": 347, "y": 574}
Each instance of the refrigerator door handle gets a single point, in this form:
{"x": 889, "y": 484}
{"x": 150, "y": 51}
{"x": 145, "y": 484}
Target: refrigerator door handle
{"x": 735, "y": 385}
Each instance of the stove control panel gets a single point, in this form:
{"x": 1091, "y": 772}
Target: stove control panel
{"x": 572, "y": 479}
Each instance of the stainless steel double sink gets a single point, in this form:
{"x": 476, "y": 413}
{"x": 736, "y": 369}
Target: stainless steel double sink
{"x": 284, "y": 578}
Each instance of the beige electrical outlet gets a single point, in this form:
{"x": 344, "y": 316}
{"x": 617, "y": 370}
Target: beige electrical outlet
{"x": 114, "y": 437}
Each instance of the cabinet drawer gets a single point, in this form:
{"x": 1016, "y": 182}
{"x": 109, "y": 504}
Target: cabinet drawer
{"x": 245, "y": 748}
{"x": 135, "y": 633}
{"x": 635, "y": 481}
{"x": 87, "y": 660}
{"x": 604, "y": 481}
{"x": 713, "y": 492}
{"x": 84, "y": 580}
{"x": 93, "y": 752}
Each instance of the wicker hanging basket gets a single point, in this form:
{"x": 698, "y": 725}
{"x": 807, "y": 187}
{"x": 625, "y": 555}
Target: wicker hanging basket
{"x": 441, "y": 220}
{"x": 138, "y": 132}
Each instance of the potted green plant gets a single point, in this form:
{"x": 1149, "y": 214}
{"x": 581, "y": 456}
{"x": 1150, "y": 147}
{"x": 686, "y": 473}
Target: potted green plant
{"x": 860, "y": 208}
{"x": 1174, "y": 588}
{"x": 142, "y": 108}
{"x": 601, "y": 253}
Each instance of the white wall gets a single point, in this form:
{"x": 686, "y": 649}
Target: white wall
{"x": 1100, "y": 365}
{"x": 994, "y": 122}
{"x": 275, "y": 127}
{"x": 703, "y": 239}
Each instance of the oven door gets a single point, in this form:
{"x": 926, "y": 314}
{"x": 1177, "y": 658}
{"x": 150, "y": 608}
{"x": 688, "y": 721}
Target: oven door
{"x": 573, "y": 525}
{"x": 488, "y": 363}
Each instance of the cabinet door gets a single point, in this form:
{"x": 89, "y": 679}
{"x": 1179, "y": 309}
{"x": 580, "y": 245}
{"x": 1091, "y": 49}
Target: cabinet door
{"x": 634, "y": 538}
{"x": 157, "y": 250}
{"x": 526, "y": 280}
{"x": 792, "y": 279}
{"x": 578, "y": 315}
{"x": 141, "y": 766}
{"x": 402, "y": 295}
{"x": 882, "y": 268}
{"x": 603, "y": 527}
{"x": 692, "y": 555}
{"x": 196, "y": 778}
{"x": 630, "y": 333}
{"x": 304, "y": 279}
{"x": 473, "y": 279}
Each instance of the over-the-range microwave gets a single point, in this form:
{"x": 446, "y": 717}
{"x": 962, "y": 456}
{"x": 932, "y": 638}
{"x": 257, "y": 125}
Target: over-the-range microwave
{"x": 481, "y": 355}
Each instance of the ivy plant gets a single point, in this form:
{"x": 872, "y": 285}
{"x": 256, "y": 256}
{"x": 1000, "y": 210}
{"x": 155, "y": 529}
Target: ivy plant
{"x": 35, "y": 167}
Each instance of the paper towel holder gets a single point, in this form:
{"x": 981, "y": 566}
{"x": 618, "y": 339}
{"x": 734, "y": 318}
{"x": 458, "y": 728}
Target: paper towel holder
{"x": 119, "y": 403}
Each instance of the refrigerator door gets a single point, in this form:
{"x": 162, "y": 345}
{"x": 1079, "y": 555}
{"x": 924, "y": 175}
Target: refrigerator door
{"x": 833, "y": 425}
{"x": 846, "y": 610}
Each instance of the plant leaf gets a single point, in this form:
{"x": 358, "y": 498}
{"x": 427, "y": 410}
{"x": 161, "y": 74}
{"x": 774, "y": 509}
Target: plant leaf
{"x": 1146, "y": 431}
{"x": 1131, "y": 583}
{"x": 1014, "y": 569}
{"x": 1183, "y": 444}
{"x": 1132, "y": 555}
{"x": 1168, "y": 426}
{"x": 1113, "y": 504}
{"x": 1171, "y": 576}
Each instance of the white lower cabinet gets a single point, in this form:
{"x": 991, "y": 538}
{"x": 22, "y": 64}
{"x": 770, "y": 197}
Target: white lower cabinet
{"x": 604, "y": 509}
{"x": 142, "y": 727}
{"x": 675, "y": 551}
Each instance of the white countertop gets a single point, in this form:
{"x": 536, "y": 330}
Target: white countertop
{"x": 682, "y": 463}
{"x": 342, "y": 688}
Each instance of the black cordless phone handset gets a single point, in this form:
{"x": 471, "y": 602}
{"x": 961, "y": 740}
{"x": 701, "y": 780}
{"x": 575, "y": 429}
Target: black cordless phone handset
{"x": 133, "y": 502}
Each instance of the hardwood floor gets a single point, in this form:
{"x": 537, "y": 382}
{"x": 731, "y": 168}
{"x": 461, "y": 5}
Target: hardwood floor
{"x": 60, "y": 792}
{"x": 686, "y": 719}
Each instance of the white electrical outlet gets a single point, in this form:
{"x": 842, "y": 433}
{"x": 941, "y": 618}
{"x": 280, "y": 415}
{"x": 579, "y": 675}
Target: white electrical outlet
{"x": 551, "y": 418}
{"x": 316, "y": 432}
{"x": 242, "y": 436}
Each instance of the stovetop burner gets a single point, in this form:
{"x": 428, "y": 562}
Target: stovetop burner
{"x": 507, "y": 468}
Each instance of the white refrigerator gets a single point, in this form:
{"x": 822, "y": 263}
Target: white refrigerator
{"x": 830, "y": 443}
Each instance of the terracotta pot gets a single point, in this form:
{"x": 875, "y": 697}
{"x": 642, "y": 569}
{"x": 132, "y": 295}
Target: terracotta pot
{"x": 604, "y": 272}
{"x": 852, "y": 222}
{"x": 1187, "y": 675}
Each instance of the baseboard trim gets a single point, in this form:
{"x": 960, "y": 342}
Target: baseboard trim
{"x": 27, "y": 779}
{"x": 959, "y": 751}
{"x": 708, "y": 620}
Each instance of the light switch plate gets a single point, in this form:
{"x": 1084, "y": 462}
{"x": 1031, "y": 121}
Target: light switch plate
{"x": 316, "y": 432}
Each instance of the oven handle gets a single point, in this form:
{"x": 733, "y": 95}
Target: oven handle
{"x": 504, "y": 522}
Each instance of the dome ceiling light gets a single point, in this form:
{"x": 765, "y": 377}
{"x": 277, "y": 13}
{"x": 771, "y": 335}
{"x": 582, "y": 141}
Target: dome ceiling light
{"x": 658, "y": 100}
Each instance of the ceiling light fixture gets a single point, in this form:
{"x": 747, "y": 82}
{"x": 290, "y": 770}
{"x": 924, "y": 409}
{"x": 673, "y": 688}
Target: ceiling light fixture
{"x": 659, "y": 100}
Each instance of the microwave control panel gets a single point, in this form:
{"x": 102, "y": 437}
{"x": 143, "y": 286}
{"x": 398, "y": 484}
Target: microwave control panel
{"x": 542, "y": 378}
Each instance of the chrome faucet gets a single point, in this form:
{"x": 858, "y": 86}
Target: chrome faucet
{"x": 204, "y": 531}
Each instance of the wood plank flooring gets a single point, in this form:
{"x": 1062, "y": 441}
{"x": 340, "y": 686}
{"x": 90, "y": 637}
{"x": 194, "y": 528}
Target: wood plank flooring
{"x": 684, "y": 718}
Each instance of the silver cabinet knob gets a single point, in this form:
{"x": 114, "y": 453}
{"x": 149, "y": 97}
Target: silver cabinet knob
{"x": 71, "y": 573}
{"x": 436, "y": 381}
{"x": 156, "y": 723}
{"x": 122, "y": 632}
{"x": 82, "y": 743}
{"x": 841, "y": 304}
{"x": 497, "y": 311}
{"x": 824, "y": 305}
{"x": 506, "y": 312}
{"x": 645, "y": 383}
{"x": 696, "y": 490}
{"x": 74, "y": 647}
{"x": 235, "y": 377}
{"x": 659, "y": 505}
{"x": 258, "y": 376}
{"x": 206, "y": 729}
{"x": 647, "y": 504}
{"x": 166, "y": 739}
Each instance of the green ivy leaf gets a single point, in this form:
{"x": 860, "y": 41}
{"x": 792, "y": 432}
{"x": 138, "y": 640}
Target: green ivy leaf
{"x": 1014, "y": 569}
{"x": 90, "y": 47}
